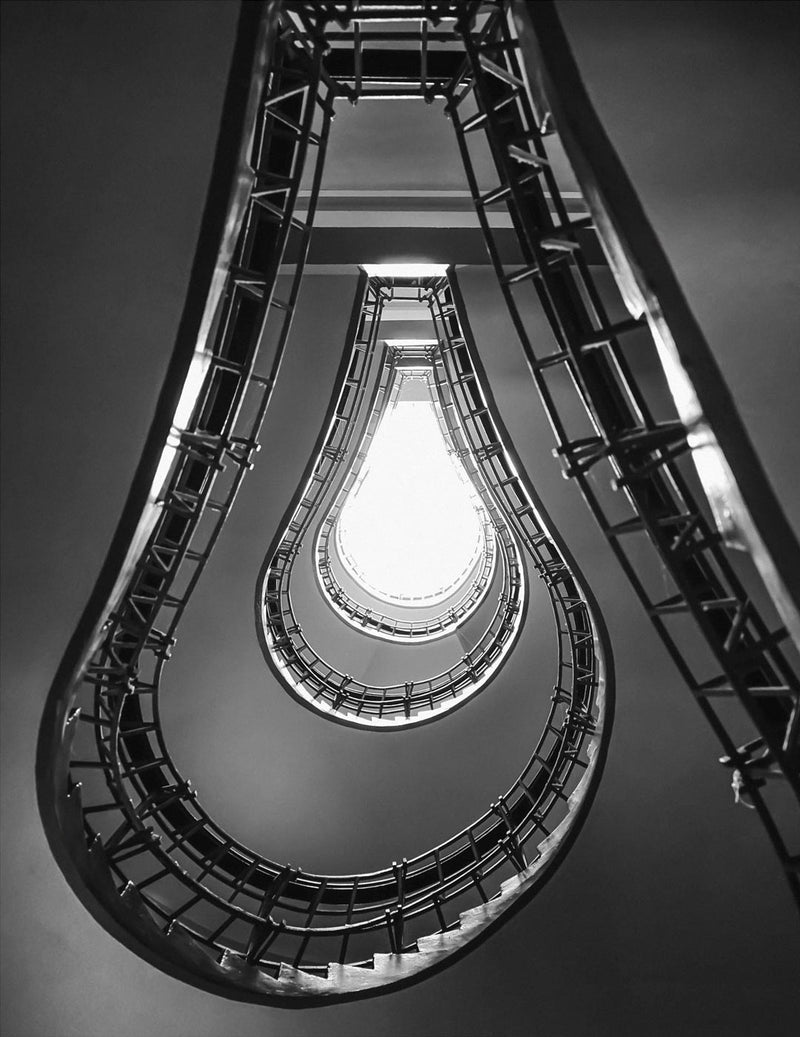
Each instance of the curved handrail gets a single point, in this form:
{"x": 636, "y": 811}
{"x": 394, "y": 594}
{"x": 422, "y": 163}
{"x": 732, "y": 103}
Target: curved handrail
{"x": 327, "y": 478}
{"x": 527, "y": 92}
{"x": 745, "y": 507}
{"x": 315, "y": 681}
{"x": 125, "y": 826}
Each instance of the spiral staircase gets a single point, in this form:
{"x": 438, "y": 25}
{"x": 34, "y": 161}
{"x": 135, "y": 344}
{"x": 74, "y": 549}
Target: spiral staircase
{"x": 672, "y": 474}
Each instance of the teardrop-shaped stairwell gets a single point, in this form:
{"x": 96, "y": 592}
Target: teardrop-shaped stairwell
{"x": 126, "y": 826}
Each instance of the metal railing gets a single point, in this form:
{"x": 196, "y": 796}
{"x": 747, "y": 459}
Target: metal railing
{"x": 125, "y": 826}
{"x": 525, "y": 88}
{"x": 313, "y": 680}
{"x": 355, "y": 420}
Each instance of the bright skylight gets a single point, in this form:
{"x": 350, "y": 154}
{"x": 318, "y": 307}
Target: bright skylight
{"x": 411, "y": 528}
{"x": 399, "y": 342}
{"x": 405, "y": 269}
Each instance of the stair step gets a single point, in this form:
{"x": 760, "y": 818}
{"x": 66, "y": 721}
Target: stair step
{"x": 391, "y": 964}
{"x": 437, "y": 942}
